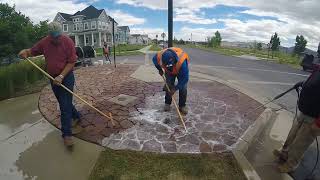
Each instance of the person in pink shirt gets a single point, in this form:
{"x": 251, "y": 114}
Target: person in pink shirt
{"x": 60, "y": 56}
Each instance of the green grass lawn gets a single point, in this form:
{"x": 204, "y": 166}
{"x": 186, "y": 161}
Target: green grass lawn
{"x": 281, "y": 58}
{"x": 155, "y": 47}
{"x": 123, "y": 50}
{"x": 114, "y": 165}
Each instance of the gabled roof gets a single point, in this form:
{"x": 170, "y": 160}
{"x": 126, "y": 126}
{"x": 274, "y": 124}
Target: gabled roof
{"x": 90, "y": 12}
{"x": 123, "y": 28}
{"x": 66, "y": 16}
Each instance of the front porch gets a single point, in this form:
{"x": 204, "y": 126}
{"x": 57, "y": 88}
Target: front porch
{"x": 95, "y": 39}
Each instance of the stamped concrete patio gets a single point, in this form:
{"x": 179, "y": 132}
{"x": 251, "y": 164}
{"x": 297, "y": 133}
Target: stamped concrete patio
{"x": 133, "y": 94}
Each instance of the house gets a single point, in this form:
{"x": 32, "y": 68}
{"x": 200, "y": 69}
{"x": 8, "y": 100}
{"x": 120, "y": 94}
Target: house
{"x": 123, "y": 34}
{"x": 89, "y": 27}
{"x": 139, "y": 39}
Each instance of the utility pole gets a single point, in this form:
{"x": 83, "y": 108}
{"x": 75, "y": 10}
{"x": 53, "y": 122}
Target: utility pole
{"x": 170, "y": 22}
{"x": 114, "y": 44}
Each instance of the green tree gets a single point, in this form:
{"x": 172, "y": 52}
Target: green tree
{"x": 216, "y": 40}
{"x": 259, "y": 46}
{"x": 17, "y": 31}
{"x": 300, "y": 45}
{"x": 275, "y": 43}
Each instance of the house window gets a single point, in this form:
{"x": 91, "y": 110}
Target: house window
{"x": 86, "y": 26}
{"x": 94, "y": 39}
{"x": 103, "y": 25}
{"x": 93, "y": 25}
{"x": 87, "y": 40}
{"x": 99, "y": 24}
{"x": 76, "y": 20}
{"x": 76, "y": 27}
{"x": 65, "y": 28}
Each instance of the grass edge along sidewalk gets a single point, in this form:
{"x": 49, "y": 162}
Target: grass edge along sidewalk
{"x": 124, "y": 164}
{"x": 21, "y": 78}
{"x": 280, "y": 57}
{"x": 123, "y": 50}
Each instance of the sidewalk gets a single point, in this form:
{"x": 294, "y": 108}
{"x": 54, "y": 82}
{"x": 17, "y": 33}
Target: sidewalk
{"x": 275, "y": 133}
{"x": 32, "y": 148}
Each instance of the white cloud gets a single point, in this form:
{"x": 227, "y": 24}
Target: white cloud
{"x": 40, "y": 10}
{"x": 125, "y": 19}
{"x": 184, "y": 15}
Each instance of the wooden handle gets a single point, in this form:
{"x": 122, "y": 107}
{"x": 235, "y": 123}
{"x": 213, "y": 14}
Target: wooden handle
{"x": 175, "y": 104}
{"x": 50, "y": 77}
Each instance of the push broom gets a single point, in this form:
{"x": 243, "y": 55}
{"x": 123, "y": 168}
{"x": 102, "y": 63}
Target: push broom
{"x": 74, "y": 94}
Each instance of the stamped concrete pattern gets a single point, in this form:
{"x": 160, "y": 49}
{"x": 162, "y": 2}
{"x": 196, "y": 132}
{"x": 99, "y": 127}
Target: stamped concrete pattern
{"x": 214, "y": 123}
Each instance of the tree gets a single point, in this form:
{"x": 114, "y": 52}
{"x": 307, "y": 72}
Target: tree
{"x": 181, "y": 41}
{"x": 275, "y": 43}
{"x": 17, "y": 31}
{"x": 259, "y": 46}
{"x": 215, "y": 41}
{"x": 318, "y": 50}
{"x": 300, "y": 45}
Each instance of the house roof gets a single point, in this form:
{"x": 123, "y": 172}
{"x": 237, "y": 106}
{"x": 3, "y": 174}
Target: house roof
{"x": 90, "y": 12}
{"x": 123, "y": 28}
{"x": 66, "y": 16}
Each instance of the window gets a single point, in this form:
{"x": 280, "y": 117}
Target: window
{"x": 65, "y": 28}
{"x": 87, "y": 40}
{"x": 76, "y": 20}
{"x": 86, "y": 26}
{"x": 93, "y": 25}
{"x": 99, "y": 24}
{"x": 76, "y": 27}
{"x": 103, "y": 25}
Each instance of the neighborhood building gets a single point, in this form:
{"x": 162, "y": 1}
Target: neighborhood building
{"x": 139, "y": 39}
{"x": 91, "y": 27}
{"x": 123, "y": 34}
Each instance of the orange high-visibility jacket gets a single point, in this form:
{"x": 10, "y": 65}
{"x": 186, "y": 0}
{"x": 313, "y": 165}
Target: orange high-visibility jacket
{"x": 182, "y": 56}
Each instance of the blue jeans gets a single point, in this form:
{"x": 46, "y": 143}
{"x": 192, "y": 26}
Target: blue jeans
{"x": 67, "y": 109}
{"x": 182, "y": 92}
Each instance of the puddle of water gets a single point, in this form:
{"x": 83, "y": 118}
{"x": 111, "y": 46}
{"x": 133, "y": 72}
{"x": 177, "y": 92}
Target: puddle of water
{"x": 12, "y": 148}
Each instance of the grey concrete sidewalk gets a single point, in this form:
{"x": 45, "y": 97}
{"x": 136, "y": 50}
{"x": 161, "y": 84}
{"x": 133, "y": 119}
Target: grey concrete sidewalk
{"x": 31, "y": 148}
{"x": 273, "y": 137}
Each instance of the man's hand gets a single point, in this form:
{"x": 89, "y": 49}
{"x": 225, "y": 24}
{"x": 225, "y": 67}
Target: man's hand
{"x": 24, "y": 53}
{"x": 161, "y": 72}
{"x": 58, "y": 80}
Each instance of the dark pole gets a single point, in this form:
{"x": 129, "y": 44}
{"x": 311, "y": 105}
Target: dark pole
{"x": 170, "y": 22}
{"x": 114, "y": 44}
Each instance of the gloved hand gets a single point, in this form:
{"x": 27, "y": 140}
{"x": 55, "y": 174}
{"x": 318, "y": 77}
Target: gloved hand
{"x": 299, "y": 84}
{"x": 161, "y": 72}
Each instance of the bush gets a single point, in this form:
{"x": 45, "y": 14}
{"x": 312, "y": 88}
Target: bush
{"x": 18, "y": 75}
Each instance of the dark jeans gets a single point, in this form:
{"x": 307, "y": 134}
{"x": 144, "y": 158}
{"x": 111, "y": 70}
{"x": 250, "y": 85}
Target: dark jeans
{"x": 182, "y": 93}
{"x": 67, "y": 109}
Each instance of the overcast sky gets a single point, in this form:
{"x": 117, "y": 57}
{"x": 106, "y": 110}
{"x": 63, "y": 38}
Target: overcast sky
{"x": 237, "y": 20}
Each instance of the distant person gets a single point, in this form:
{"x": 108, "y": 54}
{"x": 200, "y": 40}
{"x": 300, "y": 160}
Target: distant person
{"x": 106, "y": 52}
{"x": 60, "y": 56}
{"x": 174, "y": 61}
{"x": 305, "y": 128}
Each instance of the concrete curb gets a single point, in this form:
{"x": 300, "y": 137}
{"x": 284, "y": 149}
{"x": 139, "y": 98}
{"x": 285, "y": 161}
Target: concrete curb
{"x": 242, "y": 145}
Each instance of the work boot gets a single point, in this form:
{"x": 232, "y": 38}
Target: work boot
{"x": 285, "y": 168}
{"x": 183, "y": 110}
{"x": 68, "y": 142}
{"x": 167, "y": 107}
{"x": 282, "y": 156}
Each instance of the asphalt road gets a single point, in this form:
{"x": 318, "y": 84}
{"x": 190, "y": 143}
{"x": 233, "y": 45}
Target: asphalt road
{"x": 267, "y": 79}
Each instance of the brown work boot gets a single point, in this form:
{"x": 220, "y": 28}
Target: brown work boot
{"x": 285, "y": 168}
{"x": 67, "y": 140}
{"x": 167, "y": 107}
{"x": 183, "y": 110}
{"x": 282, "y": 156}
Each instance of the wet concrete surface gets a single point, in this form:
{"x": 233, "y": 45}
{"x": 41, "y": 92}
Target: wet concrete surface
{"x": 31, "y": 148}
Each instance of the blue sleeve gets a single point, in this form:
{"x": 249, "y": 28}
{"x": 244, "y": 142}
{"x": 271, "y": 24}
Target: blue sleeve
{"x": 155, "y": 62}
{"x": 183, "y": 76}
